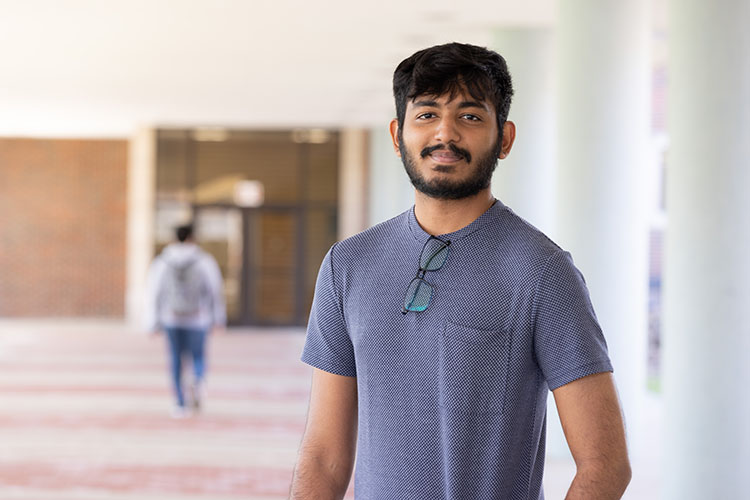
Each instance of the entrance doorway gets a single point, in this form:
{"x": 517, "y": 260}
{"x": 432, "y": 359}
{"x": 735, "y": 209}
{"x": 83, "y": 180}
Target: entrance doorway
{"x": 269, "y": 254}
{"x": 269, "y": 257}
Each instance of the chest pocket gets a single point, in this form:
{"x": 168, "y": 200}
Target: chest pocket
{"x": 473, "y": 368}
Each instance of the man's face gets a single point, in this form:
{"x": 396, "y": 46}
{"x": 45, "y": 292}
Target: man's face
{"x": 449, "y": 147}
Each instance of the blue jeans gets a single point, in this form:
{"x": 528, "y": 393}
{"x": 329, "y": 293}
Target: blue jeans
{"x": 181, "y": 342}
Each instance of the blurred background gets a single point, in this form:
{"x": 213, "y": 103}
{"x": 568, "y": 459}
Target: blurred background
{"x": 266, "y": 124}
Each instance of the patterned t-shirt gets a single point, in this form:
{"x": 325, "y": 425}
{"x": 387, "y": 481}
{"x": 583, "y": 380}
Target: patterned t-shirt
{"x": 452, "y": 400}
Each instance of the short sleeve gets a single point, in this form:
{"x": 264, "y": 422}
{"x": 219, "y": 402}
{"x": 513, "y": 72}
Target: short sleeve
{"x": 328, "y": 345}
{"x": 568, "y": 340}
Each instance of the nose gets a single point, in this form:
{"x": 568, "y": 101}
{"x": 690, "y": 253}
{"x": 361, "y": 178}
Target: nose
{"x": 446, "y": 131}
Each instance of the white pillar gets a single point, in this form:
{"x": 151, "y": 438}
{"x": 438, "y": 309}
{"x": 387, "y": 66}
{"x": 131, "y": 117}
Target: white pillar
{"x": 525, "y": 180}
{"x": 707, "y": 279}
{"x": 141, "y": 217}
{"x": 353, "y": 182}
{"x": 603, "y": 144}
{"x": 390, "y": 190}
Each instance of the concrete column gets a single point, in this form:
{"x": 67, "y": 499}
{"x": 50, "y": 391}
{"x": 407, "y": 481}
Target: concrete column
{"x": 603, "y": 144}
{"x": 390, "y": 190}
{"x": 525, "y": 180}
{"x": 353, "y": 182}
{"x": 141, "y": 216}
{"x": 707, "y": 278}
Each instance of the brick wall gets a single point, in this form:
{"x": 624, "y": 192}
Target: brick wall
{"x": 62, "y": 227}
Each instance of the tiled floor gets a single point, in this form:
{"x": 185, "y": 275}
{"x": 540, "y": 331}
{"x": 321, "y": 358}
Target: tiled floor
{"x": 84, "y": 415}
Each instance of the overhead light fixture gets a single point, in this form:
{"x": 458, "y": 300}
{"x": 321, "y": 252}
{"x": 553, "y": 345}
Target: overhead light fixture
{"x": 311, "y": 135}
{"x": 248, "y": 193}
{"x": 210, "y": 134}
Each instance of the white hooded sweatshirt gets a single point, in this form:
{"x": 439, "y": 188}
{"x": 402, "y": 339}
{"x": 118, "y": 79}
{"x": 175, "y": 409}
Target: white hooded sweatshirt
{"x": 212, "y": 310}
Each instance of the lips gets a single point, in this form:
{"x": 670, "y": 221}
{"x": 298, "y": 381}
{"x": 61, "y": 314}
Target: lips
{"x": 445, "y": 156}
{"x": 440, "y": 153}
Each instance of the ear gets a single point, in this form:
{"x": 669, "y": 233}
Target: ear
{"x": 393, "y": 127}
{"x": 509, "y": 136}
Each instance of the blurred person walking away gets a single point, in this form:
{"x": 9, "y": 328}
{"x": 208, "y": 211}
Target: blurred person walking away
{"x": 184, "y": 298}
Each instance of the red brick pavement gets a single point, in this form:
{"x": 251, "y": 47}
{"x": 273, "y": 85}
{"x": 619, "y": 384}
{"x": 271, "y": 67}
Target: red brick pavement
{"x": 84, "y": 414}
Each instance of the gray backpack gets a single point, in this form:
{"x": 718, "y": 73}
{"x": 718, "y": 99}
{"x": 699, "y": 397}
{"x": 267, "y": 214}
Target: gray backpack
{"x": 183, "y": 286}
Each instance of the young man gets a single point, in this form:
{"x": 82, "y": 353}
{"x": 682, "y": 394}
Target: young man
{"x": 185, "y": 298}
{"x": 435, "y": 336}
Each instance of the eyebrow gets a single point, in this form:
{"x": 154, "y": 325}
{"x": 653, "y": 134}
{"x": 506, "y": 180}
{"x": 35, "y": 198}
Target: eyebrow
{"x": 424, "y": 103}
{"x": 428, "y": 103}
{"x": 472, "y": 104}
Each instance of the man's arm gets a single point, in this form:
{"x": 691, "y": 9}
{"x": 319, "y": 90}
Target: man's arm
{"x": 151, "y": 297}
{"x": 592, "y": 421}
{"x": 216, "y": 291}
{"x": 326, "y": 455}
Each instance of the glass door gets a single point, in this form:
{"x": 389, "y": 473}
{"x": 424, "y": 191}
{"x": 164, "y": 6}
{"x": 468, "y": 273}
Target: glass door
{"x": 219, "y": 231}
{"x": 273, "y": 279}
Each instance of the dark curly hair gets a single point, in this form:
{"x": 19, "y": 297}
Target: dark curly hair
{"x": 451, "y": 68}
{"x": 184, "y": 233}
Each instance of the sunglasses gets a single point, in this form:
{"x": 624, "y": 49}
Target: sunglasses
{"x": 431, "y": 258}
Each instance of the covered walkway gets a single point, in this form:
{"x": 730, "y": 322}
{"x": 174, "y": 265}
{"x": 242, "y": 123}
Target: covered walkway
{"x": 85, "y": 414}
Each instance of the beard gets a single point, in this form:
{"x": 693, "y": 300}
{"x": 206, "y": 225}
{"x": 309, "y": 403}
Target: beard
{"x": 446, "y": 189}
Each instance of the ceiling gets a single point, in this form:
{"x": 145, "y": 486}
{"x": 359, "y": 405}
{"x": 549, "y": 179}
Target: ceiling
{"x": 100, "y": 68}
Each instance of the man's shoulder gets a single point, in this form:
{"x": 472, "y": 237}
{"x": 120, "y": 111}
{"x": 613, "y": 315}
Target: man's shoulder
{"x": 181, "y": 256}
{"x": 520, "y": 237}
{"x": 206, "y": 261}
{"x": 374, "y": 238}
{"x": 201, "y": 254}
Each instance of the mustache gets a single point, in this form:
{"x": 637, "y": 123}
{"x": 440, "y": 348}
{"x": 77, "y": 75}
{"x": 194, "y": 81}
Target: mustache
{"x": 453, "y": 148}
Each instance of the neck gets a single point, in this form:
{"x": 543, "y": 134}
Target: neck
{"x": 446, "y": 216}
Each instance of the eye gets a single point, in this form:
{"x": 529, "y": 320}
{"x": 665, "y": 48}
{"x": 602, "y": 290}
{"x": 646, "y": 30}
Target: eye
{"x": 425, "y": 116}
{"x": 473, "y": 118}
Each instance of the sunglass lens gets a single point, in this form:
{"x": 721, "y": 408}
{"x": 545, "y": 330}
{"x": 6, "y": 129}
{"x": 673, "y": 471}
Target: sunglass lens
{"x": 418, "y": 295}
{"x": 433, "y": 255}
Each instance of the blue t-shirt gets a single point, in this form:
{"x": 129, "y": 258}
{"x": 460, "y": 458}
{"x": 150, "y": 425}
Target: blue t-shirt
{"x": 452, "y": 400}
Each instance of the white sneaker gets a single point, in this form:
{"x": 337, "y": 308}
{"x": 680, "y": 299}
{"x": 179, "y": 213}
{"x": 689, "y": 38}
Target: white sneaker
{"x": 180, "y": 412}
{"x": 196, "y": 396}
